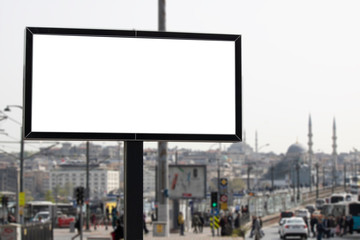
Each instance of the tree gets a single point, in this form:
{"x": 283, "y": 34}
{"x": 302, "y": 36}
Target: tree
{"x": 49, "y": 196}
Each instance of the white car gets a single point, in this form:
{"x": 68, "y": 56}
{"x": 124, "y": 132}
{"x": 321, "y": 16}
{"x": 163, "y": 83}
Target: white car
{"x": 319, "y": 203}
{"x": 294, "y": 226}
{"x": 41, "y": 217}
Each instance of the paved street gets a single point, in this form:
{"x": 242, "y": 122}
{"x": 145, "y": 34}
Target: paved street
{"x": 64, "y": 234}
{"x": 271, "y": 233}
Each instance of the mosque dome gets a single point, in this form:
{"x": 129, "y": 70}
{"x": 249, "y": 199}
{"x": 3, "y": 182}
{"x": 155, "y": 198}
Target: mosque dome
{"x": 296, "y": 148}
{"x": 240, "y": 148}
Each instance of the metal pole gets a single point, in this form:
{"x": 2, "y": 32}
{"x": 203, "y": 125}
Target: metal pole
{"x": 21, "y": 170}
{"x": 162, "y": 15}
{"x": 298, "y": 181}
{"x": 87, "y": 192}
{"x": 323, "y": 170}
{"x": 81, "y": 221}
{"x": 163, "y": 213}
{"x": 317, "y": 180}
{"x": 133, "y": 197}
{"x": 345, "y": 177}
{"x": 248, "y": 177}
{"x": 272, "y": 177}
{"x": 162, "y": 168}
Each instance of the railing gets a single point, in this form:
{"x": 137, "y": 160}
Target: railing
{"x": 38, "y": 231}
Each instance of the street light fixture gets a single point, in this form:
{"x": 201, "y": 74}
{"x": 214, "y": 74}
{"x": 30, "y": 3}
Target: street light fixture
{"x": 8, "y": 109}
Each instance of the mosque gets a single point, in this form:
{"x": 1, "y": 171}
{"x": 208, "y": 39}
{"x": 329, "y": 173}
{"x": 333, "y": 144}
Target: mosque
{"x": 298, "y": 163}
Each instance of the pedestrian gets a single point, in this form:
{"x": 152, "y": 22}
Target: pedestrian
{"x": 114, "y": 217}
{"x": 320, "y": 230}
{"x": 345, "y": 225}
{"x": 256, "y": 228}
{"x": 237, "y": 220}
{"x": 313, "y": 222}
{"x": 107, "y": 217}
{"x": 144, "y": 224}
{"x": 153, "y": 218}
{"x": 78, "y": 228}
{"x": 223, "y": 222}
{"x": 93, "y": 220}
{"x": 202, "y": 222}
{"x": 306, "y": 223}
{"x": 195, "y": 222}
{"x": 332, "y": 226}
{"x": 326, "y": 226}
{"x": 181, "y": 222}
{"x": 351, "y": 224}
{"x": 118, "y": 233}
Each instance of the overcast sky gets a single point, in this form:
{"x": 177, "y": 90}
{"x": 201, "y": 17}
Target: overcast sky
{"x": 299, "y": 58}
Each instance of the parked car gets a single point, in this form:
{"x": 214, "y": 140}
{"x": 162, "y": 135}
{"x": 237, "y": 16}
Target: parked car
{"x": 286, "y": 214}
{"x": 303, "y": 213}
{"x": 64, "y": 220}
{"x": 311, "y": 208}
{"x": 294, "y": 226}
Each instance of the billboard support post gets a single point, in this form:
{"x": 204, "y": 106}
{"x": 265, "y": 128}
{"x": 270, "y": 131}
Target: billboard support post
{"x": 133, "y": 197}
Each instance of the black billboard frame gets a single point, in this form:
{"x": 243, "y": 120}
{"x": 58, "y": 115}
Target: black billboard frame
{"x": 29, "y": 134}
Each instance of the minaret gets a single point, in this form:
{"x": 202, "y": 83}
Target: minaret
{"x": 310, "y": 152}
{"x": 334, "y": 155}
{"x": 256, "y": 142}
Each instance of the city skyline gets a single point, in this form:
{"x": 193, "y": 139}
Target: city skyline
{"x": 299, "y": 58}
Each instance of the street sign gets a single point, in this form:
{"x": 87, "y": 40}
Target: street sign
{"x": 223, "y": 198}
{"x": 214, "y": 222}
{"x": 215, "y": 211}
{"x": 223, "y": 182}
{"x": 21, "y": 199}
{"x": 224, "y": 206}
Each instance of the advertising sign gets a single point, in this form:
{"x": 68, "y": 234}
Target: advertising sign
{"x": 187, "y": 181}
{"x": 123, "y": 76}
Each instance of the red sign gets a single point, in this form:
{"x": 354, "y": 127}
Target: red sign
{"x": 187, "y": 194}
{"x": 8, "y": 230}
{"x": 223, "y": 198}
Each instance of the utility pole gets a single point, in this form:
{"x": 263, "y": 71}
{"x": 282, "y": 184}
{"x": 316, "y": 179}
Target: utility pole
{"x": 344, "y": 176}
{"x": 87, "y": 191}
{"x": 298, "y": 181}
{"x": 162, "y": 167}
{"x": 248, "y": 177}
{"x": 317, "y": 180}
{"x": 310, "y": 143}
{"x": 272, "y": 177}
{"x": 323, "y": 170}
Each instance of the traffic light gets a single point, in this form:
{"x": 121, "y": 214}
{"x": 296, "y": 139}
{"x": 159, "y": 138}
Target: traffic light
{"x": 214, "y": 201}
{"x": 79, "y": 194}
{"x": 4, "y": 201}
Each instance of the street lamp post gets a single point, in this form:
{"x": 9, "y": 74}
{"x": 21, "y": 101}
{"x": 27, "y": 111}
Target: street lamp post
{"x": 298, "y": 181}
{"x": 317, "y": 180}
{"x": 344, "y": 176}
{"x": 21, "y": 162}
{"x": 248, "y": 177}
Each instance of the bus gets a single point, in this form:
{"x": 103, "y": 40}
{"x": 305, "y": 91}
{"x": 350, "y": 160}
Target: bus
{"x": 65, "y": 208}
{"x": 340, "y": 197}
{"x": 355, "y": 190}
{"x": 348, "y": 208}
{"x": 33, "y": 207}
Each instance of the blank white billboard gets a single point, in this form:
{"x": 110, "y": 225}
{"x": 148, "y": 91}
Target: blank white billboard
{"x": 100, "y": 84}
